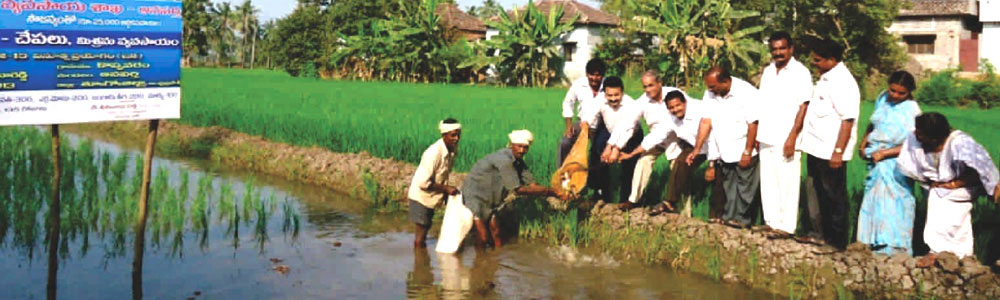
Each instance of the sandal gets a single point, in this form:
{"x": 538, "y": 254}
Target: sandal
{"x": 778, "y": 234}
{"x": 663, "y": 207}
{"x": 927, "y": 261}
{"x": 736, "y": 224}
{"x": 809, "y": 240}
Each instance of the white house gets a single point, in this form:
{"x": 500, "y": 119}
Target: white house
{"x": 989, "y": 44}
{"x": 578, "y": 44}
{"x": 942, "y": 34}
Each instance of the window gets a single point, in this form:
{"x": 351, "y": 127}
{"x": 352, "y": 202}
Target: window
{"x": 568, "y": 50}
{"x": 919, "y": 44}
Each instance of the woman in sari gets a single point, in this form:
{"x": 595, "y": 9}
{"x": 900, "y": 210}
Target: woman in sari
{"x": 885, "y": 221}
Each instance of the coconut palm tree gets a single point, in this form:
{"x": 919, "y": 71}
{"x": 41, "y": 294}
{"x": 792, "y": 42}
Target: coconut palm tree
{"x": 246, "y": 14}
{"x": 222, "y": 31}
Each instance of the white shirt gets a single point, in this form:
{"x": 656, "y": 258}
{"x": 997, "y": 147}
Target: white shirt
{"x": 654, "y": 111}
{"x": 579, "y": 95}
{"x": 686, "y": 128}
{"x": 435, "y": 166}
{"x": 835, "y": 98}
{"x": 599, "y": 108}
{"x": 731, "y": 116}
{"x": 781, "y": 92}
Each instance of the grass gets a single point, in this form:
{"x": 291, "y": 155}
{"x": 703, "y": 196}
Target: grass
{"x": 398, "y": 121}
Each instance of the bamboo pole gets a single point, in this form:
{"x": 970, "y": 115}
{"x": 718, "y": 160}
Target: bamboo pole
{"x": 53, "y": 226}
{"x": 140, "y": 227}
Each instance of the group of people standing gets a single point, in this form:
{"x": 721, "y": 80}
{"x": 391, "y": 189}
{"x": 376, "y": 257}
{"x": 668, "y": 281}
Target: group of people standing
{"x": 752, "y": 139}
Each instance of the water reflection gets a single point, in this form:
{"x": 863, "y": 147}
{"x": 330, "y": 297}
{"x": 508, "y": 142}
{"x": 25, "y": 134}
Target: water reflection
{"x": 213, "y": 234}
{"x": 93, "y": 202}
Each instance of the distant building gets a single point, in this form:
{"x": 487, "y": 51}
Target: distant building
{"x": 941, "y": 34}
{"x": 989, "y": 43}
{"x": 577, "y": 45}
{"x": 470, "y": 27}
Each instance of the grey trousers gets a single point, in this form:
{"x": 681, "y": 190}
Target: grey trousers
{"x": 566, "y": 144}
{"x": 741, "y": 186}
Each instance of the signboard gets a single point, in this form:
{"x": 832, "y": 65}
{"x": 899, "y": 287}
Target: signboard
{"x": 89, "y": 61}
{"x": 989, "y": 10}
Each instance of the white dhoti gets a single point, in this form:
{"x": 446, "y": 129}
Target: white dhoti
{"x": 779, "y": 187}
{"x": 949, "y": 222}
{"x": 643, "y": 169}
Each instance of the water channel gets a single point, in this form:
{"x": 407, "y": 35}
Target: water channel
{"x": 227, "y": 234}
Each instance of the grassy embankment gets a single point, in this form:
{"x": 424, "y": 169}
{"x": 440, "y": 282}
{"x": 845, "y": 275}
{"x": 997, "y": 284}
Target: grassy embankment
{"x": 398, "y": 121}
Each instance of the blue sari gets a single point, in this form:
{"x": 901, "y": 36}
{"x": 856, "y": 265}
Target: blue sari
{"x": 887, "y": 211}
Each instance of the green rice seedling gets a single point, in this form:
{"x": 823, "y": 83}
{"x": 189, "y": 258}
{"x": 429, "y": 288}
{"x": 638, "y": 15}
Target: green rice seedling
{"x": 714, "y": 264}
{"x": 752, "y": 263}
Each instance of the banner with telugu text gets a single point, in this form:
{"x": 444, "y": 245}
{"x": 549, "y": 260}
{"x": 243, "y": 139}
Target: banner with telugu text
{"x": 89, "y": 61}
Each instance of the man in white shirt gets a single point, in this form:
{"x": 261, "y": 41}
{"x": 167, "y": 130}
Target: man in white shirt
{"x": 609, "y": 109}
{"x": 733, "y": 128}
{"x": 828, "y": 133}
{"x": 687, "y": 116}
{"x": 654, "y": 111}
{"x": 430, "y": 182}
{"x": 785, "y": 87}
{"x": 581, "y": 93}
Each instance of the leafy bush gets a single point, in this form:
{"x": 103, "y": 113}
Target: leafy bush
{"x": 945, "y": 89}
{"x": 308, "y": 70}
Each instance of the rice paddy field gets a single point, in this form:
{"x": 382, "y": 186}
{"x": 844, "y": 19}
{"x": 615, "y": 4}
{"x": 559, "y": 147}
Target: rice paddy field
{"x": 398, "y": 121}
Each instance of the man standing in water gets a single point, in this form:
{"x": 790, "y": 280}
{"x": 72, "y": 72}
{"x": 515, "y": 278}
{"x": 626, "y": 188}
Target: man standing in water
{"x": 494, "y": 179}
{"x": 430, "y": 182}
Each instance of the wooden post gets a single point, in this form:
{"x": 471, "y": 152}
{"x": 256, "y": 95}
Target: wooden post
{"x": 140, "y": 227}
{"x": 53, "y": 226}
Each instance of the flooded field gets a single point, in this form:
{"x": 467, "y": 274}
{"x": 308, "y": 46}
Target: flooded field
{"x": 223, "y": 234}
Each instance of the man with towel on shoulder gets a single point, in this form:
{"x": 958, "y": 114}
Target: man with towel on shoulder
{"x": 496, "y": 177}
{"x": 430, "y": 182}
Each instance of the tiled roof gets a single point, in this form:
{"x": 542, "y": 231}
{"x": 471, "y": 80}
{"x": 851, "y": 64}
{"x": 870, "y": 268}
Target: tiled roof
{"x": 452, "y": 15}
{"x": 939, "y": 8}
{"x": 588, "y": 15}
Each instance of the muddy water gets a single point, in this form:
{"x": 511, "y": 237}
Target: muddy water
{"x": 304, "y": 242}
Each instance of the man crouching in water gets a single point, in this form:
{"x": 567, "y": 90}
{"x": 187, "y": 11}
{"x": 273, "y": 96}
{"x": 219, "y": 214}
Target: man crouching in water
{"x": 494, "y": 178}
{"x": 430, "y": 182}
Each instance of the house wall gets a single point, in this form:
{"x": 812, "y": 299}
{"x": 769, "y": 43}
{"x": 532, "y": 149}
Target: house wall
{"x": 586, "y": 38}
{"x": 948, "y": 31}
{"x": 989, "y": 43}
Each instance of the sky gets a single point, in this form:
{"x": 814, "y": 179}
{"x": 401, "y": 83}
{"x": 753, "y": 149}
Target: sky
{"x": 273, "y": 9}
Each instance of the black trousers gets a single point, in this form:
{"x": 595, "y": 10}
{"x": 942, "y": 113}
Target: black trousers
{"x": 826, "y": 198}
{"x": 599, "y": 177}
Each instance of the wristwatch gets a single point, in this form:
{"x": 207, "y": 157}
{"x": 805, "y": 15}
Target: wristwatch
{"x": 838, "y": 150}
{"x": 747, "y": 152}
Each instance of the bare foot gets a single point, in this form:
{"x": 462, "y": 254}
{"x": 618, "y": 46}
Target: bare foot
{"x": 927, "y": 261}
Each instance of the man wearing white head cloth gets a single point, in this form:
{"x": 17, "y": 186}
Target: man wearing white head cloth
{"x": 430, "y": 182}
{"x": 495, "y": 177}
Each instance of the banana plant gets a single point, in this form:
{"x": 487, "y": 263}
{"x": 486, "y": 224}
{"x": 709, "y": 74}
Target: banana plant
{"x": 527, "y": 46}
{"x": 696, "y": 34}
